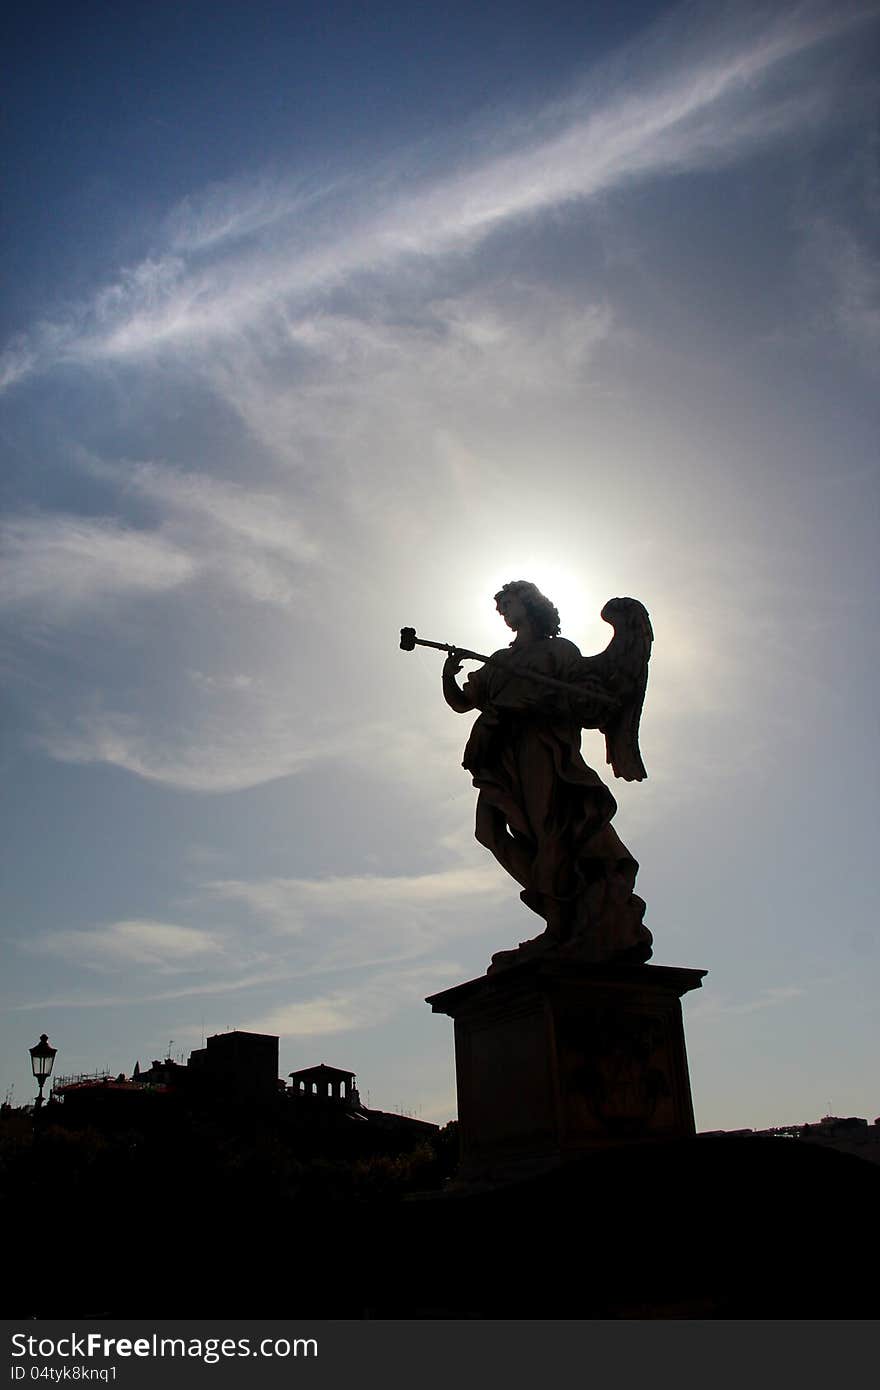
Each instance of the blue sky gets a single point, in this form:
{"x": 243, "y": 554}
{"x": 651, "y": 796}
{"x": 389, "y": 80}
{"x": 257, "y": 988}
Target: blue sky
{"x": 325, "y": 319}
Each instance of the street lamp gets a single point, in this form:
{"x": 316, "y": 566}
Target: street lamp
{"x": 42, "y": 1058}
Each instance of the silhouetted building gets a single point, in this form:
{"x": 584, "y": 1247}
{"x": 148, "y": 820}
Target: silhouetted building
{"x": 325, "y": 1083}
{"x": 320, "y": 1110}
{"x": 849, "y": 1134}
{"x": 107, "y": 1102}
{"x": 240, "y": 1067}
{"x": 169, "y": 1074}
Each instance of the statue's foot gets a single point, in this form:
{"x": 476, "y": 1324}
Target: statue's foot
{"x": 584, "y": 949}
{"x": 526, "y": 950}
{"x": 578, "y": 949}
{"x": 634, "y": 955}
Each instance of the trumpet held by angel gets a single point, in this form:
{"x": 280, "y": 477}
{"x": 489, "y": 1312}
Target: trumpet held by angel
{"x": 542, "y": 812}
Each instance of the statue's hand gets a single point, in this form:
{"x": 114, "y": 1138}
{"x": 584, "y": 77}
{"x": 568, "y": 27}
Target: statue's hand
{"x": 451, "y": 665}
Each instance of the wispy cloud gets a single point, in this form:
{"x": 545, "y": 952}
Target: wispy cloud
{"x": 771, "y": 998}
{"x": 289, "y": 902}
{"x": 261, "y": 519}
{"x": 246, "y": 540}
{"x": 217, "y": 987}
{"x": 343, "y": 393}
{"x": 690, "y": 96}
{"x": 162, "y": 946}
{"x": 253, "y": 541}
{"x": 849, "y": 269}
{"x": 17, "y": 361}
{"x": 364, "y": 929}
{"x": 364, "y": 1004}
{"x": 63, "y": 575}
{"x": 366, "y": 920}
{"x": 247, "y": 738}
{"x": 54, "y": 564}
{"x": 236, "y": 210}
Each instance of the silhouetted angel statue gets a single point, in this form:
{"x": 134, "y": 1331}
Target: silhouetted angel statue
{"x": 544, "y": 814}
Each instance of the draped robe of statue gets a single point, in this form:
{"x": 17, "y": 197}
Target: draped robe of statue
{"x": 546, "y": 815}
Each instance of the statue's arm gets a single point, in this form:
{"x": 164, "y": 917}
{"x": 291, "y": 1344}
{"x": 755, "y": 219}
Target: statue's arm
{"x": 455, "y": 697}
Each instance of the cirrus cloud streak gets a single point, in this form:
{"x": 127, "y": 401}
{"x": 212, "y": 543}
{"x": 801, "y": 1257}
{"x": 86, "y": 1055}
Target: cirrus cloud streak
{"x": 697, "y": 95}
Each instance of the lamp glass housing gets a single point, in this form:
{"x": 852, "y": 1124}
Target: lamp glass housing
{"x": 42, "y": 1058}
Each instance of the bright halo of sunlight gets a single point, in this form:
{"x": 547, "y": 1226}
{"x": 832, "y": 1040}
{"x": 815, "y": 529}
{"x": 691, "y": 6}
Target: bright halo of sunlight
{"x": 573, "y": 593}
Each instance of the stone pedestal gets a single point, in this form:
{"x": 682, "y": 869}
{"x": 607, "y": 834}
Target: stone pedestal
{"x": 555, "y": 1060}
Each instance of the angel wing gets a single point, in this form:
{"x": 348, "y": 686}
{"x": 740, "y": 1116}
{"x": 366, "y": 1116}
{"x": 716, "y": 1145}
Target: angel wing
{"x": 623, "y": 671}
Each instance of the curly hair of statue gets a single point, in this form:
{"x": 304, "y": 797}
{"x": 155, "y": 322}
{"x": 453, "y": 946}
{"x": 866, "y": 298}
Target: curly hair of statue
{"x": 541, "y": 611}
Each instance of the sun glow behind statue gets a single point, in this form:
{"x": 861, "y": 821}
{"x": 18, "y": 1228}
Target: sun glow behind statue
{"x": 575, "y": 595}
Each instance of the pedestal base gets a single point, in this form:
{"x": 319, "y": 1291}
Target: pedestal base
{"x": 555, "y": 1060}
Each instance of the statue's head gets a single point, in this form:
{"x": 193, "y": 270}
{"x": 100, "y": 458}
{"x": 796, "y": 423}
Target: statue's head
{"x": 541, "y": 612}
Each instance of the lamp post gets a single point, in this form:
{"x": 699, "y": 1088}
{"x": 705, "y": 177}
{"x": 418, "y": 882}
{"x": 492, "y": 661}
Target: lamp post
{"x": 42, "y": 1059}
